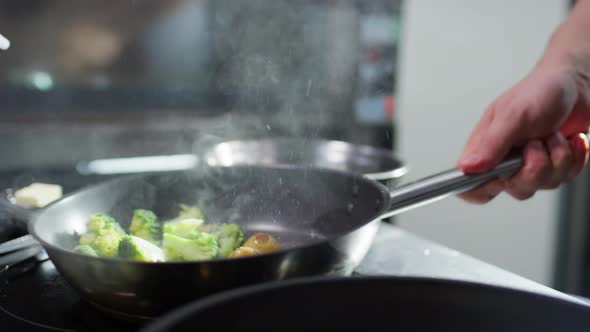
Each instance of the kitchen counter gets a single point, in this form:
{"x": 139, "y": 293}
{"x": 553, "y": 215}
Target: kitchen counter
{"x": 397, "y": 252}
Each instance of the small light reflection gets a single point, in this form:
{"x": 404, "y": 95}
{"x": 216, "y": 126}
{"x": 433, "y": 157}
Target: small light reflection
{"x": 76, "y": 223}
{"x": 4, "y": 43}
{"x": 42, "y": 80}
{"x": 427, "y": 252}
{"x": 205, "y": 272}
{"x": 126, "y": 294}
{"x": 46, "y": 269}
{"x": 335, "y": 157}
{"x": 266, "y": 227}
{"x": 284, "y": 268}
{"x": 138, "y": 164}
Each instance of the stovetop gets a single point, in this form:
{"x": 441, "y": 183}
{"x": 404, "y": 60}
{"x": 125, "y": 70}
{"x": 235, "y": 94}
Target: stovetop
{"x": 35, "y": 298}
{"x": 33, "y": 295}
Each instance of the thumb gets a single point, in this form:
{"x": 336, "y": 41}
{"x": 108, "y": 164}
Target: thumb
{"x": 489, "y": 143}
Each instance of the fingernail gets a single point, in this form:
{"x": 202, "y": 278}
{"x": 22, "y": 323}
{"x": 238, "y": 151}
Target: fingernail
{"x": 471, "y": 159}
{"x": 581, "y": 153}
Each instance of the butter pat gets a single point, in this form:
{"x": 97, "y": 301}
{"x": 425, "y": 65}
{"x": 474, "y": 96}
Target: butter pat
{"x": 38, "y": 194}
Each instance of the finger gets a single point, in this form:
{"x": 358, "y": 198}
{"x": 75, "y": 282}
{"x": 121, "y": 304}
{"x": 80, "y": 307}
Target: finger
{"x": 579, "y": 146}
{"x": 532, "y": 175}
{"x": 490, "y": 141}
{"x": 561, "y": 156}
{"x": 577, "y": 121}
{"x": 483, "y": 193}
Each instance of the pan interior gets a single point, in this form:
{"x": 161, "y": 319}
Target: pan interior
{"x": 358, "y": 159}
{"x": 297, "y": 205}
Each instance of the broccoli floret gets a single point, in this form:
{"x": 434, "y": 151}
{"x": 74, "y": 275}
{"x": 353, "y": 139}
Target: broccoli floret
{"x": 188, "y": 211}
{"x": 99, "y": 222}
{"x": 201, "y": 246}
{"x": 136, "y": 248}
{"x": 103, "y": 235}
{"x": 107, "y": 243}
{"x": 187, "y": 228}
{"x": 229, "y": 237}
{"x": 186, "y": 224}
{"x": 87, "y": 238}
{"x": 85, "y": 250}
{"x": 145, "y": 225}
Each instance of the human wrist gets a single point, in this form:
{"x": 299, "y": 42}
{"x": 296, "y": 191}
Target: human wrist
{"x": 566, "y": 52}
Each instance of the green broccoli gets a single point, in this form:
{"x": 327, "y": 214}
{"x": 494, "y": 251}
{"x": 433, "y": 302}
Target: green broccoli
{"x": 135, "y": 248}
{"x": 186, "y": 223}
{"x": 103, "y": 235}
{"x": 186, "y": 228}
{"x": 100, "y": 221}
{"x": 87, "y": 238}
{"x": 145, "y": 225}
{"x": 188, "y": 212}
{"x": 201, "y": 246}
{"x": 229, "y": 237}
{"x": 85, "y": 250}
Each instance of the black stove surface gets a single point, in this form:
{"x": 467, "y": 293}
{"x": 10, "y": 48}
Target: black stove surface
{"x": 33, "y": 295}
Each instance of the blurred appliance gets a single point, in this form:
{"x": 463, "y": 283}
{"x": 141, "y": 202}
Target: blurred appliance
{"x": 572, "y": 258}
{"x": 146, "y": 77}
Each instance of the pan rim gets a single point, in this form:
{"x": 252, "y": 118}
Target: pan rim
{"x": 311, "y": 244}
{"x": 400, "y": 169}
{"x": 167, "y": 321}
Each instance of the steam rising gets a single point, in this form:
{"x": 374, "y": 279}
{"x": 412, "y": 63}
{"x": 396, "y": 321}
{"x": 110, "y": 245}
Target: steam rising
{"x": 290, "y": 66}
{"x": 201, "y": 72}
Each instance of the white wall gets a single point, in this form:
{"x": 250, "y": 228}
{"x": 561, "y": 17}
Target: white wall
{"x": 456, "y": 56}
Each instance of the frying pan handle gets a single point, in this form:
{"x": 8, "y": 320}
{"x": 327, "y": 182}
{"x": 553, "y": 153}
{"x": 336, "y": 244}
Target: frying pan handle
{"x": 16, "y": 211}
{"x": 450, "y": 182}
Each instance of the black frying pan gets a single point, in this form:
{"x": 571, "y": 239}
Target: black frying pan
{"x": 377, "y": 304}
{"x": 324, "y": 219}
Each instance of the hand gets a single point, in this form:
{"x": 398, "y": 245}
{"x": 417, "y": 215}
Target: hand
{"x": 544, "y": 113}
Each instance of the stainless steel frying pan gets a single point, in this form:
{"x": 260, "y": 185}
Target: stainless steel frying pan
{"x": 374, "y": 163}
{"x": 324, "y": 219}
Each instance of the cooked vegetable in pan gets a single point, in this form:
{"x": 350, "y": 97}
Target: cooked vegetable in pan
{"x": 103, "y": 235}
{"x": 145, "y": 225}
{"x": 184, "y": 238}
